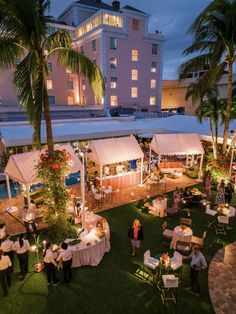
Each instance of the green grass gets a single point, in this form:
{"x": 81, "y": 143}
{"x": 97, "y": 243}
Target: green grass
{"x": 112, "y": 287}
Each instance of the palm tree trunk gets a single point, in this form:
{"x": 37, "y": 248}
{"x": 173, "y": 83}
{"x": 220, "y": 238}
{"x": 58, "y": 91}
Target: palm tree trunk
{"x": 216, "y": 139}
{"x": 213, "y": 140}
{"x": 228, "y": 106}
{"x": 48, "y": 121}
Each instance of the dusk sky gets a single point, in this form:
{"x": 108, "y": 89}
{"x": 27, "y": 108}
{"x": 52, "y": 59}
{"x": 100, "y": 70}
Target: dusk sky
{"x": 171, "y": 17}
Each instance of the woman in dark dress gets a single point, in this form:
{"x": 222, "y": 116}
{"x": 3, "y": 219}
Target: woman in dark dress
{"x": 136, "y": 235}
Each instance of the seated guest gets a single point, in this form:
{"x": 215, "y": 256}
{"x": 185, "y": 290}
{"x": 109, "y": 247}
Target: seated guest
{"x": 187, "y": 195}
{"x": 8, "y": 247}
{"x": 28, "y": 217}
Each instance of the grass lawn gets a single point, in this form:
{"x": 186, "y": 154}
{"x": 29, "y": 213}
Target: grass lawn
{"x": 112, "y": 287}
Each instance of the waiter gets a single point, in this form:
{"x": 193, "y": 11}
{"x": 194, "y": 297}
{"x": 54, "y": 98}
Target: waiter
{"x": 28, "y": 217}
{"x": 5, "y": 276}
{"x": 8, "y": 247}
{"x": 119, "y": 168}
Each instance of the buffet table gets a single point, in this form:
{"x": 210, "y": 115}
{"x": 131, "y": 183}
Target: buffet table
{"x": 121, "y": 180}
{"x": 92, "y": 248}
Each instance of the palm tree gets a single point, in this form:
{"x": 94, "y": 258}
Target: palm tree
{"x": 23, "y": 35}
{"x": 214, "y": 32}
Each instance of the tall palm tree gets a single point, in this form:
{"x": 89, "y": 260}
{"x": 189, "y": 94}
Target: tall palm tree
{"x": 214, "y": 32}
{"x": 23, "y": 35}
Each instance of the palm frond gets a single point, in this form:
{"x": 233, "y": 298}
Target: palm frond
{"x": 56, "y": 40}
{"x": 9, "y": 52}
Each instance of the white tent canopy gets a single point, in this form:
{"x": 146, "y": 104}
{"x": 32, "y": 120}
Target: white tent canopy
{"x": 113, "y": 150}
{"x": 21, "y": 167}
{"x": 177, "y": 144}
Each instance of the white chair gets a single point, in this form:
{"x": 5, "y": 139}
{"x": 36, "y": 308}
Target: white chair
{"x": 176, "y": 261}
{"x": 186, "y": 221}
{"x": 97, "y": 198}
{"x": 199, "y": 241}
{"x": 211, "y": 213}
{"x": 149, "y": 261}
{"x": 170, "y": 284}
{"x": 221, "y": 227}
{"x": 167, "y": 233}
{"x": 93, "y": 189}
{"x": 232, "y": 211}
{"x": 108, "y": 191}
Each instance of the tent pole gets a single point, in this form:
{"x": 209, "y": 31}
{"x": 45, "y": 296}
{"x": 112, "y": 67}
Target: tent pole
{"x": 28, "y": 195}
{"x": 200, "y": 169}
{"x": 186, "y": 160}
{"x": 159, "y": 162}
{"x": 141, "y": 175}
{"x": 9, "y": 190}
{"x": 101, "y": 175}
{"x": 150, "y": 156}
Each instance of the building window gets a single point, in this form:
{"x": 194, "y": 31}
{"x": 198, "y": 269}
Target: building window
{"x": 51, "y": 100}
{"x": 50, "y": 66}
{"x": 94, "y": 45}
{"x": 134, "y": 75}
{"x": 49, "y": 84}
{"x": 113, "y": 43}
{"x": 154, "y": 49}
{"x": 114, "y": 101}
{"x": 134, "y": 55}
{"x": 68, "y": 71}
{"x": 113, "y": 63}
{"x": 70, "y": 85}
{"x": 113, "y": 83}
{"x": 83, "y": 85}
{"x": 153, "y": 84}
{"x": 82, "y": 50}
{"x": 152, "y": 101}
{"x": 153, "y": 67}
{"x": 135, "y": 24}
{"x": 134, "y": 92}
{"x": 70, "y": 100}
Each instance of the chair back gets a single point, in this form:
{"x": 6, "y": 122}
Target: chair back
{"x": 172, "y": 283}
{"x": 208, "y": 206}
{"x": 178, "y": 256}
{"x": 164, "y": 225}
{"x": 146, "y": 255}
{"x": 186, "y": 221}
{"x": 223, "y": 219}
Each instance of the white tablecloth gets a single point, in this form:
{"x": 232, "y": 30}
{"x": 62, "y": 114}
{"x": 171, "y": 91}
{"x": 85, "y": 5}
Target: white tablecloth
{"x": 179, "y": 235}
{"x": 158, "y": 208}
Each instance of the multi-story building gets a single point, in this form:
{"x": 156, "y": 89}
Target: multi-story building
{"x": 174, "y": 91}
{"x": 118, "y": 41}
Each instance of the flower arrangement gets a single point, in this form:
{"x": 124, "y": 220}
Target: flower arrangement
{"x": 165, "y": 259}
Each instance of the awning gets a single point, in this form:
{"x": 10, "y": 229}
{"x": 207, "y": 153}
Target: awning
{"x": 177, "y": 144}
{"x": 21, "y": 167}
{"x": 113, "y": 150}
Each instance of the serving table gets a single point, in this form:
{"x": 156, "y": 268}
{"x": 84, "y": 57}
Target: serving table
{"x": 181, "y": 234}
{"x": 121, "y": 180}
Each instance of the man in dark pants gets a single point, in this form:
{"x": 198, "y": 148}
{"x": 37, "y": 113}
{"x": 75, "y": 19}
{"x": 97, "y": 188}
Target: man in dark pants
{"x": 198, "y": 263}
{"x": 66, "y": 257}
{"x": 5, "y": 276}
{"x": 8, "y": 249}
{"x": 28, "y": 216}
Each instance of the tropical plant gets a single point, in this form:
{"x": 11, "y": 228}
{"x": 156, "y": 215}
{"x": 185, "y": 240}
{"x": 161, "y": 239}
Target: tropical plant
{"x": 23, "y": 36}
{"x": 214, "y": 32}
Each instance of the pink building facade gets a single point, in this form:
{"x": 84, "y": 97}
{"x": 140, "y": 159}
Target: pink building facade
{"x": 119, "y": 42}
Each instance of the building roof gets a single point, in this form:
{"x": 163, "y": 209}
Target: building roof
{"x": 177, "y": 144}
{"x": 54, "y": 21}
{"x": 21, "y": 167}
{"x": 113, "y": 150}
{"x": 128, "y": 7}
{"x": 96, "y": 4}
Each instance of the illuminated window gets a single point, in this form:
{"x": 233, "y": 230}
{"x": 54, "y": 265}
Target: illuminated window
{"x": 94, "y": 45}
{"x": 134, "y": 75}
{"x": 70, "y": 85}
{"x": 152, "y": 101}
{"x": 134, "y": 55}
{"x": 114, "y": 101}
{"x": 49, "y": 84}
{"x": 113, "y": 43}
{"x": 113, "y": 83}
{"x": 153, "y": 67}
{"x": 153, "y": 84}
{"x": 135, "y": 25}
{"x": 112, "y": 20}
{"x": 70, "y": 100}
{"x": 113, "y": 63}
{"x": 68, "y": 71}
{"x": 134, "y": 92}
{"x": 154, "y": 49}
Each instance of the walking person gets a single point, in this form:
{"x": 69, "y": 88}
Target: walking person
{"x": 22, "y": 247}
{"x": 5, "y": 274}
{"x": 229, "y": 191}
{"x": 136, "y": 235}
{"x": 50, "y": 264}
{"x": 8, "y": 248}
{"x": 66, "y": 257}
{"x": 28, "y": 217}
{"x": 198, "y": 263}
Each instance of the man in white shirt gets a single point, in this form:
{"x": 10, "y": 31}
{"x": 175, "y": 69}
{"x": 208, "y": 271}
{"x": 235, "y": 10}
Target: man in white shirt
{"x": 198, "y": 263}
{"x": 5, "y": 277}
{"x": 8, "y": 248}
{"x": 119, "y": 168}
{"x": 66, "y": 257}
{"x": 28, "y": 217}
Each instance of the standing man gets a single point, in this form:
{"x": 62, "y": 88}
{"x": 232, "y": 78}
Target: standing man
{"x": 5, "y": 276}
{"x": 8, "y": 248}
{"x": 66, "y": 257}
{"x": 198, "y": 263}
{"x": 28, "y": 217}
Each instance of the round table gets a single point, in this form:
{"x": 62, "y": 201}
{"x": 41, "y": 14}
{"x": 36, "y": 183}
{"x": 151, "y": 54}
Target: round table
{"x": 181, "y": 235}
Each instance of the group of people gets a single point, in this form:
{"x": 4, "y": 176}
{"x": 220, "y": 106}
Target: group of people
{"x": 196, "y": 258}
{"x": 179, "y": 196}
{"x": 224, "y": 193}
